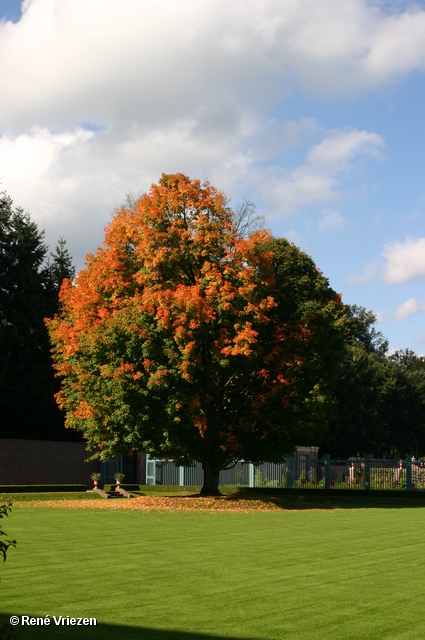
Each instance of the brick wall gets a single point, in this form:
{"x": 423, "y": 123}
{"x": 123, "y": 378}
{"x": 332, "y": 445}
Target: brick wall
{"x": 45, "y": 462}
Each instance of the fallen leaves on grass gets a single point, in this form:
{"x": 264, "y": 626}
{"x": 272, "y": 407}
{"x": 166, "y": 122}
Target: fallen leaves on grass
{"x": 166, "y": 503}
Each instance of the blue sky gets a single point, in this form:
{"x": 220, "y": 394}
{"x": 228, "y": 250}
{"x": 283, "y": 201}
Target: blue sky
{"x": 312, "y": 110}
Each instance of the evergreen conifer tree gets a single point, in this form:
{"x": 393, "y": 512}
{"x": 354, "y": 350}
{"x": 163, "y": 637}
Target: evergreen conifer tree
{"x": 28, "y": 294}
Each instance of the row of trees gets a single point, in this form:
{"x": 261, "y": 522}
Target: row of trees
{"x": 379, "y": 397}
{"x": 30, "y": 280}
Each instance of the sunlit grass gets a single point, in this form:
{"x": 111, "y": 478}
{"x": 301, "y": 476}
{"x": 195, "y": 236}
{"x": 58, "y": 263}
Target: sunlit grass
{"x": 354, "y": 573}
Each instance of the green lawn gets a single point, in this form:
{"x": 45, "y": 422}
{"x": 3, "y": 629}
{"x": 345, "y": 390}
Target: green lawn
{"x": 353, "y": 573}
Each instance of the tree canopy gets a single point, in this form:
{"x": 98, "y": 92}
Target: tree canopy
{"x": 191, "y": 336}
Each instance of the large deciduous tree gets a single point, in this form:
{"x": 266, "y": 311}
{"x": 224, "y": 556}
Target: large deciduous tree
{"x": 191, "y": 336}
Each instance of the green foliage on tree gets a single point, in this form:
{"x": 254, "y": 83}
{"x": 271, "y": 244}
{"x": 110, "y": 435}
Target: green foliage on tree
{"x": 362, "y": 332}
{"x": 408, "y": 359}
{"x": 6, "y": 630}
{"x": 28, "y": 293}
{"x": 5, "y": 544}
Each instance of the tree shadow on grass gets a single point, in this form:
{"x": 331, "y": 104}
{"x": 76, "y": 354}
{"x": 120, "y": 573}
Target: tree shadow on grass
{"x": 101, "y": 632}
{"x": 332, "y": 499}
{"x": 301, "y": 502}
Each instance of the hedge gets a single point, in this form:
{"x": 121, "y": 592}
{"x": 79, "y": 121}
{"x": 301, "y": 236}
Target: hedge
{"x": 153, "y": 488}
{"x": 126, "y": 487}
{"x": 169, "y": 488}
{"x": 40, "y": 488}
{"x": 371, "y": 493}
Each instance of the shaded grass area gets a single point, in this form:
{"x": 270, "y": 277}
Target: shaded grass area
{"x": 327, "y": 500}
{"x": 171, "y": 489}
{"x": 105, "y": 632}
{"x": 353, "y": 573}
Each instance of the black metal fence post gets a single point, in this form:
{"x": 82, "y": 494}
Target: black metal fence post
{"x": 327, "y": 471}
{"x": 408, "y": 472}
{"x": 288, "y": 472}
{"x": 367, "y": 471}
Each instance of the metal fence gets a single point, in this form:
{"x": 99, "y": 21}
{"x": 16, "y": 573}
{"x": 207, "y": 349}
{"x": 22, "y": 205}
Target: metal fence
{"x": 356, "y": 473}
{"x": 315, "y": 473}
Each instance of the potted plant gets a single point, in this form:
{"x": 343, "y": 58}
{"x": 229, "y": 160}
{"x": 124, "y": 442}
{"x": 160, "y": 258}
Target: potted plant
{"x": 118, "y": 477}
{"x": 95, "y": 477}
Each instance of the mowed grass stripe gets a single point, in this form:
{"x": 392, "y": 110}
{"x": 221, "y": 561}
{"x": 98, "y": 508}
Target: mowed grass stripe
{"x": 352, "y": 574}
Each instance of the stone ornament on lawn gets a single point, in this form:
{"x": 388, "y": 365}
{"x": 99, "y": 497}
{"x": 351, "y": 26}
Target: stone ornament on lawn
{"x": 95, "y": 477}
{"x": 118, "y": 477}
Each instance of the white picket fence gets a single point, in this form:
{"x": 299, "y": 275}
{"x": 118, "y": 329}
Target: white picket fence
{"x": 243, "y": 474}
{"x": 325, "y": 473}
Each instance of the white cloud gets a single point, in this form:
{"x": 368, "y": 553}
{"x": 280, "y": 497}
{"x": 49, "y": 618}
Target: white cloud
{"x": 336, "y": 151}
{"x": 113, "y": 60}
{"x": 71, "y": 181}
{"x": 25, "y": 158}
{"x": 405, "y": 261}
{"x": 346, "y": 47}
{"x": 318, "y": 179}
{"x": 187, "y": 86}
{"x": 409, "y": 308}
{"x": 415, "y": 215}
{"x": 381, "y": 316}
{"x": 369, "y": 273}
{"x": 331, "y": 220}
{"x": 397, "y": 45}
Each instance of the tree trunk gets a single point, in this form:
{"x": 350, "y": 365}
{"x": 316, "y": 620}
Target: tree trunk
{"x": 211, "y": 475}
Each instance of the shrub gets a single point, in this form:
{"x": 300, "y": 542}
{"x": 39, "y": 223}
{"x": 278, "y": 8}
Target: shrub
{"x": 258, "y": 479}
{"x": 6, "y": 631}
{"x": 341, "y": 478}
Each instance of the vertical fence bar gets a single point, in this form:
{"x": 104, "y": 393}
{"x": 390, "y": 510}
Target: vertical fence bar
{"x": 408, "y": 472}
{"x": 150, "y": 470}
{"x": 327, "y": 458}
{"x": 251, "y": 475}
{"x": 367, "y": 471}
{"x": 417, "y": 474}
{"x": 288, "y": 472}
{"x": 181, "y": 476}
